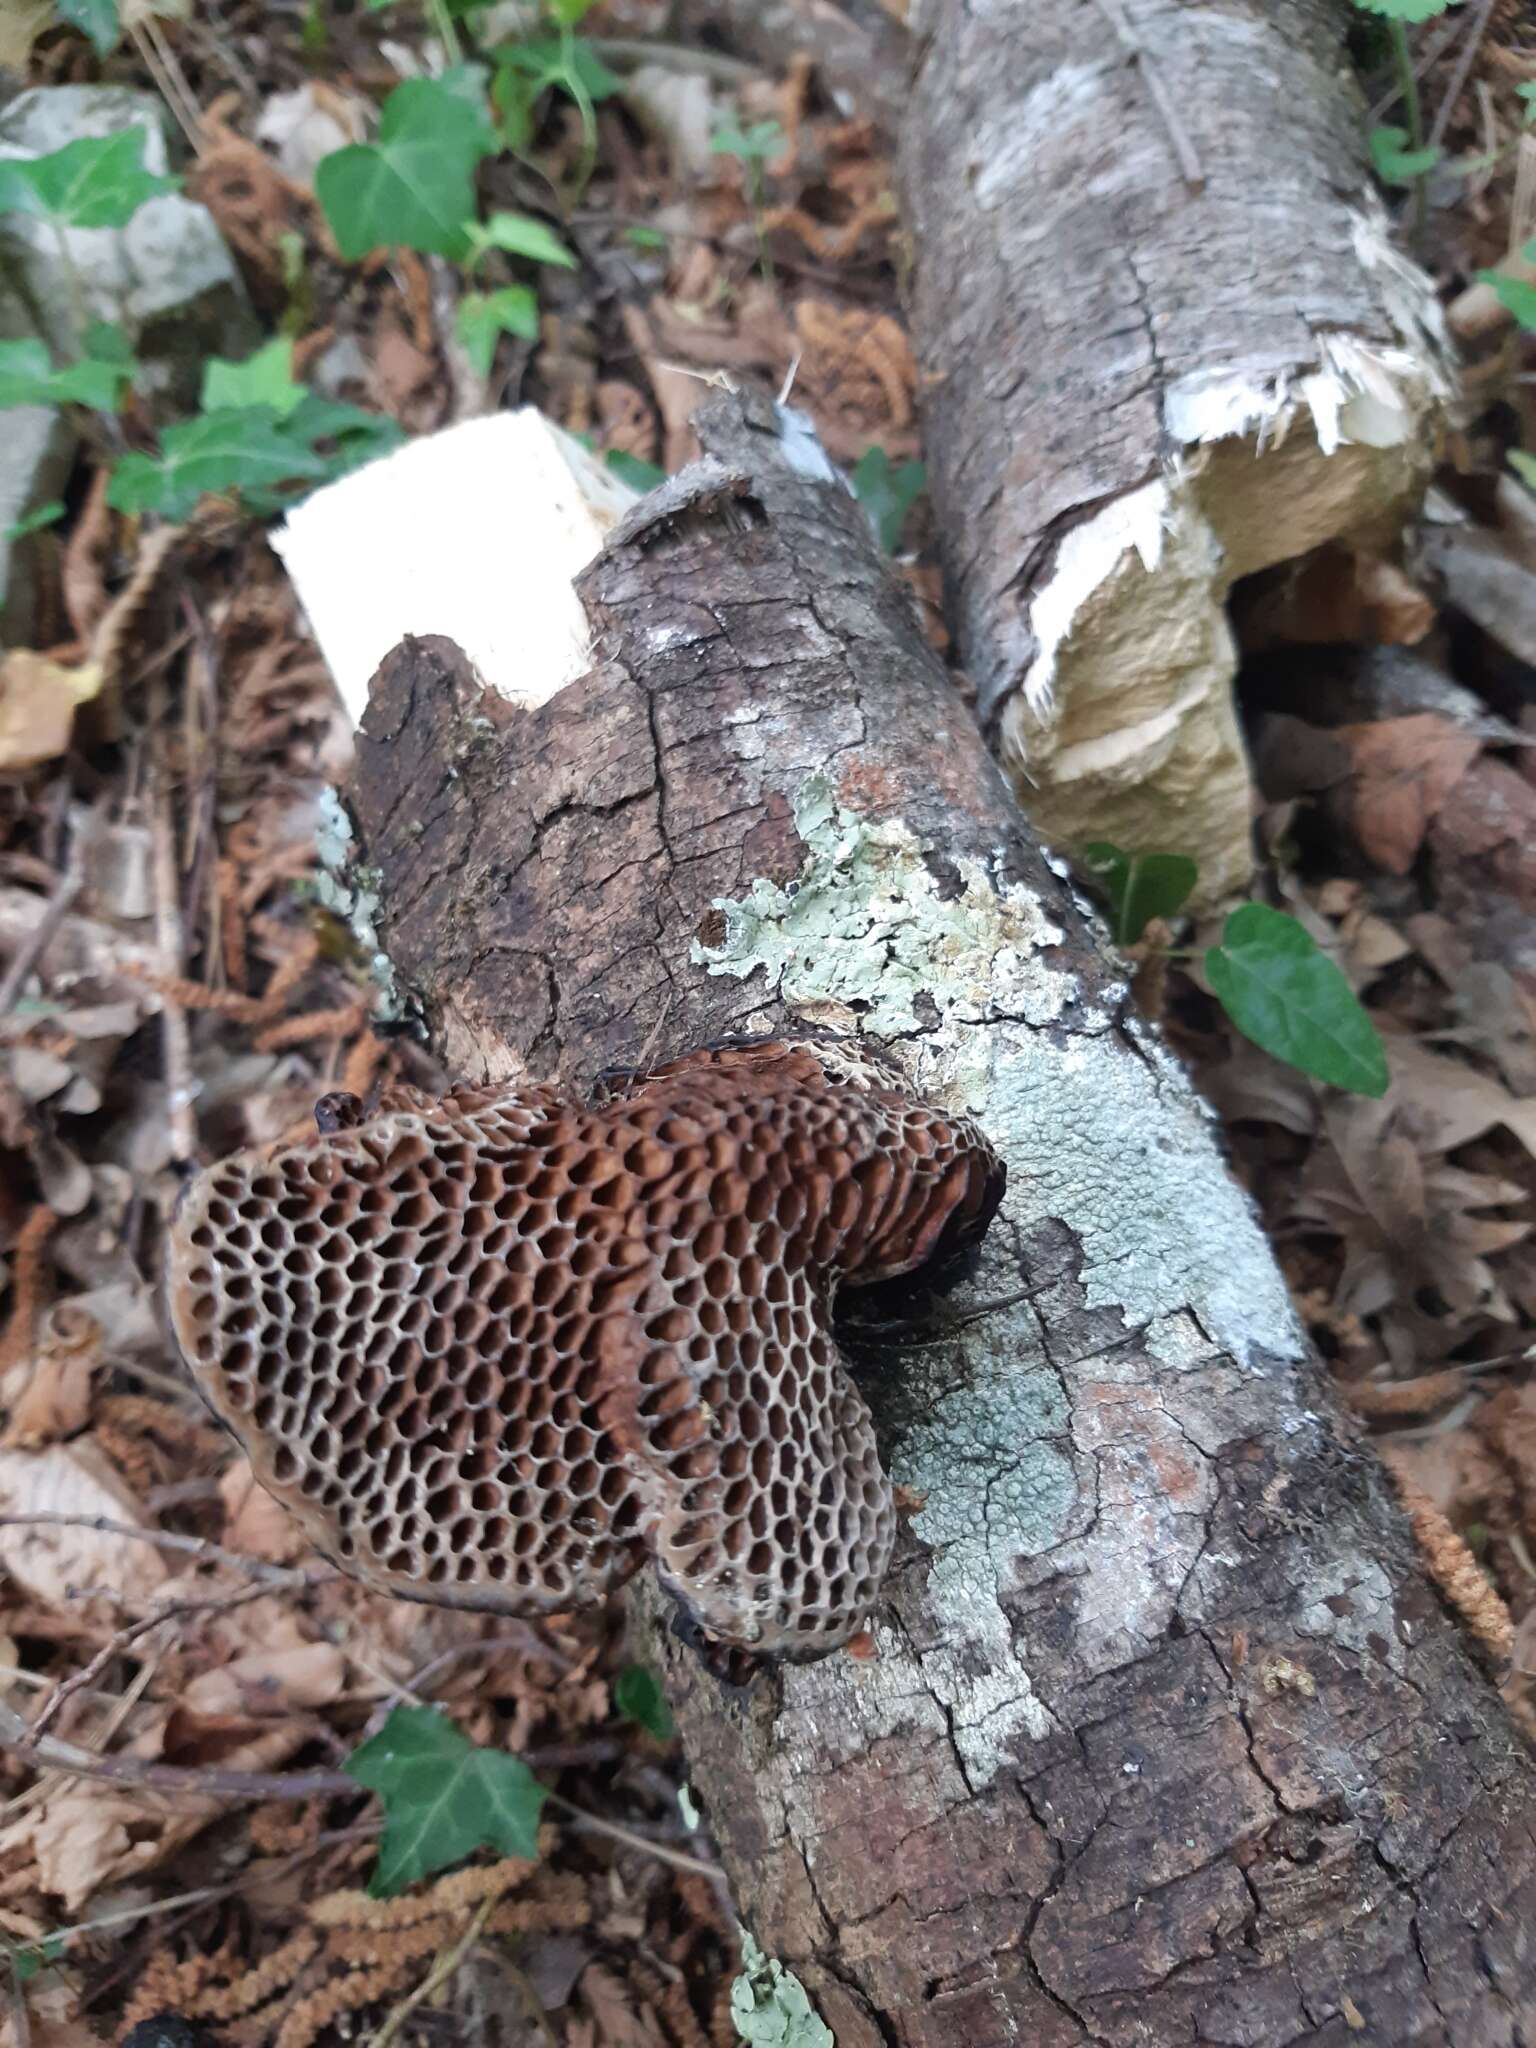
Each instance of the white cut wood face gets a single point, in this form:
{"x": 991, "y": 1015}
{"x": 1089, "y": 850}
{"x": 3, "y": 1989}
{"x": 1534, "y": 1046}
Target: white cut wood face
{"x": 478, "y": 533}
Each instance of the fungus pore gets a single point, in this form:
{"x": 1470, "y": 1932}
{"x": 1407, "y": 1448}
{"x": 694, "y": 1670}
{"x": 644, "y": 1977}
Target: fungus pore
{"x": 492, "y": 1351}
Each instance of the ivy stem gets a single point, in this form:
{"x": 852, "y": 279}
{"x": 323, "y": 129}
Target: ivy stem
{"x": 576, "y": 87}
{"x": 447, "y": 34}
{"x": 1413, "y": 114}
{"x": 76, "y": 288}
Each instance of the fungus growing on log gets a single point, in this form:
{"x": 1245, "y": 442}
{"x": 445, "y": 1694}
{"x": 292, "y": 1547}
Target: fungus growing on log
{"x": 492, "y": 1351}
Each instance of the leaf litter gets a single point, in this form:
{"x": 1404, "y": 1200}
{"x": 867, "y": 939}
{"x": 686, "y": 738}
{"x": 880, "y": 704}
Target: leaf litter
{"x": 161, "y": 1624}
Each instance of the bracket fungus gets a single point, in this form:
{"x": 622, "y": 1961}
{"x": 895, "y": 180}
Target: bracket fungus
{"x": 493, "y": 1351}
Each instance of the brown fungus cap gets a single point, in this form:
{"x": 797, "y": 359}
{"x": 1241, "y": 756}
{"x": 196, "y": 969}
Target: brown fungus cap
{"x": 493, "y": 1351}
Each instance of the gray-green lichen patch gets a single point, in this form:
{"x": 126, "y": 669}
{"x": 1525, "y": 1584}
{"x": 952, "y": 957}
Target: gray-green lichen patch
{"x": 1108, "y": 1138}
{"x": 1011, "y": 1460}
{"x": 866, "y": 925}
{"x": 769, "y": 2006}
{"x": 350, "y": 891}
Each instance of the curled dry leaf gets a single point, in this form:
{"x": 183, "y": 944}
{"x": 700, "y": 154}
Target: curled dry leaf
{"x": 72, "y": 1479}
{"x": 38, "y": 699}
{"x": 56, "y": 1400}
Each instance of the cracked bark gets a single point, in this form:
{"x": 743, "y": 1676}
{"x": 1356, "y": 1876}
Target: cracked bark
{"x": 1167, "y": 1739}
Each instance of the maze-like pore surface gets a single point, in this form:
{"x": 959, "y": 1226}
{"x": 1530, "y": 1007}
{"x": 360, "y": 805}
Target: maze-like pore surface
{"x": 495, "y": 1350}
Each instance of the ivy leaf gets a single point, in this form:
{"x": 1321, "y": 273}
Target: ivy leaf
{"x": 634, "y": 470}
{"x": 356, "y": 434}
{"x": 34, "y": 521}
{"x": 1407, "y": 10}
{"x": 95, "y": 18}
{"x": 1288, "y": 997}
{"x": 764, "y": 139}
{"x": 28, "y": 375}
{"x": 266, "y": 378}
{"x": 483, "y": 316}
{"x": 520, "y": 235}
{"x": 233, "y": 449}
{"x": 887, "y": 492}
{"x": 27, "y": 1958}
{"x": 96, "y": 182}
{"x": 1138, "y": 886}
{"x": 638, "y": 1696}
{"x": 415, "y": 187}
{"x": 1515, "y": 294}
{"x": 1394, "y": 162}
{"x": 576, "y": 68}
{"x": 567, "y": 12}
{"x": 443, "y": 1798}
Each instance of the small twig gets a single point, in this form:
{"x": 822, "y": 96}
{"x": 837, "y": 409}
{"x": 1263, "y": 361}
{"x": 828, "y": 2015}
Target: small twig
{"x": 436, "y": 1977}
{"x": 205, "y": 1781}
{"x": 1463, "y": 71}
{"x": 527, "y": 1639}
{"x": 125, "y": 1637}
{"x": 175, "y": 1042}
{"x": 1152, "y": 78}
{"x": 1430, "y": 50}
{"x": 165, "y": 1539}
{"x": 589, "y": 1823}
{"x": 715, "y": 64}
{"x": 160, "y": 62}
{"x": 37, "y": 941}
{"x": 248, "y": 1881}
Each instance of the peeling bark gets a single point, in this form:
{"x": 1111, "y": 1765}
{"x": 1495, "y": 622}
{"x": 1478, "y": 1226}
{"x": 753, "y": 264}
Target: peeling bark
{"x": 1165, "y": 344}
{"x": 1167, "y": 1738}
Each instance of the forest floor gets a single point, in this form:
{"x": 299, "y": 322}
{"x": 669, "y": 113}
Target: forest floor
{"x": 174, "y": 987}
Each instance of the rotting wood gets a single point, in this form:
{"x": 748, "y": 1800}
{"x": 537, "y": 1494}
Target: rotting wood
{"x": 1167, "y": 1738}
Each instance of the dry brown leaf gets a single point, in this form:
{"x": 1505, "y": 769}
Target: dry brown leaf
{"x": 1488, "y": 823}
{"x": 254, "y": 1523}
{"x": 21, "y": 23}
{"x": 82, "y": 1834}
{"x": 1334, "y": 596}
{"x": 1448, "y": 1103}
{"x": 53, "y": 2015}
{"x": 1250, "y": 1084}
{"x": 270, "y": 1682}
{"x": 56, "y": 1401}
{"x": 621, "y": 2021}
{"x": 72, "y": 1479}
{"x": 38, "y": 699}
{"x": 1403, "y": 769}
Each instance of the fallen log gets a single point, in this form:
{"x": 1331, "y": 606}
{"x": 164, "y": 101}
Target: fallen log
{"x": 1166, "y": 344}
{"x": 1166, "y": 1737}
